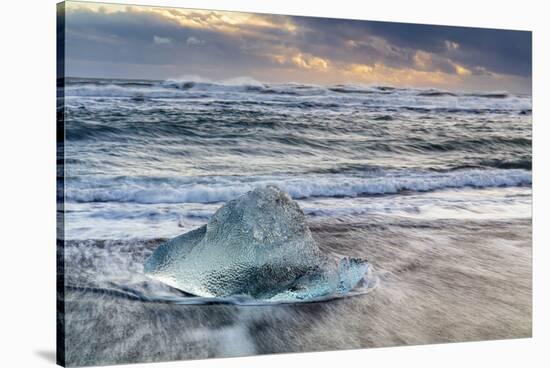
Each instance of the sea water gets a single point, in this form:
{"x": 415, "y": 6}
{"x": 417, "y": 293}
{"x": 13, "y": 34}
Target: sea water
{"x": 432, "y": 187}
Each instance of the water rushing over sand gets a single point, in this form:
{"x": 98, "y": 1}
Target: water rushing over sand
{"x": 442, "y": 281}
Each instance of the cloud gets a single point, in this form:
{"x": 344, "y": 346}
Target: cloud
{"x": 422, "y": 59}
{"x": 294, "y": 57}
{"x": 161, "y": 40}
{"x": 382, "y": 74}
{"x": 501, "y": 51}
{"x": 284, "y": 48}
{"x": 460, "y": 70}
{"x": 193, "y": 41}
{"x": 451, "y": 45}
{"x": 480, "y": 70}
{"x": 309, "y": 61}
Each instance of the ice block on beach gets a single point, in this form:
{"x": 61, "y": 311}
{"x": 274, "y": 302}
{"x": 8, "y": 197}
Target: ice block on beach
{"x": 256, "y": 245}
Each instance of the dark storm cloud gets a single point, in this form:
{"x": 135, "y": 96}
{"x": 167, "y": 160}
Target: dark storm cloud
{"x": 502, "y": 51}
{"x": 130, "y": 36}
{"x": 151, "y": 39}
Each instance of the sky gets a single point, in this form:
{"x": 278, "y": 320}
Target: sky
{"x": 140, "y": 42}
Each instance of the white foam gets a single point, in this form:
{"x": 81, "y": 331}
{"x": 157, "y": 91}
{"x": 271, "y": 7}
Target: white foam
{"x": 221, "y": 189}
{"x": 118, "y": 220}
{"x": 233, "y": 89}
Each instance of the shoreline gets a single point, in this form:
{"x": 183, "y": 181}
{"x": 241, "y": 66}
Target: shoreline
{"x": 440, "y": 282}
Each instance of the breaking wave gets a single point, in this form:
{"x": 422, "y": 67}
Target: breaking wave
{"x": 172, "y": 88}
{"x": 221, "y": 189}
{"x": 149, "y": 158}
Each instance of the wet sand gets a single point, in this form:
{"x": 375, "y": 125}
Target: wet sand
{"x": 440, "y": 281}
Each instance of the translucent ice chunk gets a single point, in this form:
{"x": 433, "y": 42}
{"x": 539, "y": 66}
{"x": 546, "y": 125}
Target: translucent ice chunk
{"x": 257, "y": 245}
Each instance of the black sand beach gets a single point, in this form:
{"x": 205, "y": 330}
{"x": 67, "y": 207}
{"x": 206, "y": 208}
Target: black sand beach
{"x": 440, "y": 281}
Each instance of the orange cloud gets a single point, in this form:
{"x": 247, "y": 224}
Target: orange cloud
{"x": 380, "y": 73}
{"x": 460, "y": 70}
{"x": 308, "y": 61}
{"x": 302, "y": 60}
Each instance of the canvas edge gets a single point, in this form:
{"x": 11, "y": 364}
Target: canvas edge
{"x": 60, "y": 184}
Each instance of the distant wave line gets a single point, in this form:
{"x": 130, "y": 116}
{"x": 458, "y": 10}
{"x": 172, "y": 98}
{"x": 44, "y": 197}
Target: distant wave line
{"x": 175, "y": 87}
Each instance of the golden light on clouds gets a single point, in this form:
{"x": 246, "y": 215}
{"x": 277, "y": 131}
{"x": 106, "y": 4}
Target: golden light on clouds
{"x": 360, "y": 69}
{"x": 229, "y": 22}
{"x": 307, "y": 61}
{"x": 380, "y": 73}
{"x": 285, "y": 48}
{"x": 293, "y": 57}
{"x": 224, "y": 21}
{"x": 460, "y": 70}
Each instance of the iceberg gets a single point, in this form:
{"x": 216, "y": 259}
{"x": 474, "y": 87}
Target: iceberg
{"x": 259, "y": 246}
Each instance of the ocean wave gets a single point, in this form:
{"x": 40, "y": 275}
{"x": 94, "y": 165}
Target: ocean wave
{"x": 443, "y": 93}
{"x": 436, "y": 93}
{"x": 178, "y": 89}
{"x": 221, "y": 189}
{"x": 525, "y": 163}
{"x": 468, "y": 145}
{"x": 121, "y": 91}
{"x": 173, "y": 88}
{"x": 99, "y": 82}
{"x": 497, "y": 94}
{"x": 351, "y": 89}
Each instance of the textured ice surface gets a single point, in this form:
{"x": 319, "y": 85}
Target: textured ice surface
{"x": 257, "y": 245}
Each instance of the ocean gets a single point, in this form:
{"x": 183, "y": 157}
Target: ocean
{"x": 432, "y": 187}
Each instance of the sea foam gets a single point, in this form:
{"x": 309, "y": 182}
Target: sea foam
{"x": 221, "y": 189}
